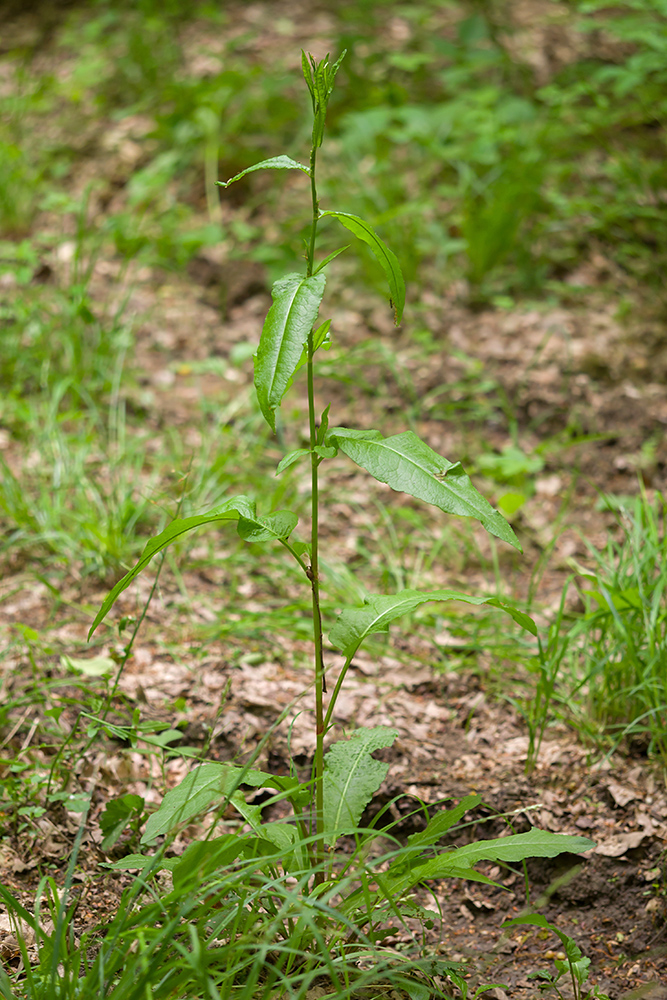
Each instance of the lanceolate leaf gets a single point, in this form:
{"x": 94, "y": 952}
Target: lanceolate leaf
{"x": 274, "y": 163}
{"x": 384, "y": 255}
{"x": 296, "y": 301}
{"x": 251, "y": 527}
{"x": 354, "y": 624}
{"x": 332, "y": 256}
{"x": 406, "y": 463}
{"x": 202, "y": 787}
{"x": 351, "y": 778}
{"x": 458, "y": 863}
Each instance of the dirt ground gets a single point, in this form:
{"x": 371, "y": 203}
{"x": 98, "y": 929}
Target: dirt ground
{"x": 574, "y": 364}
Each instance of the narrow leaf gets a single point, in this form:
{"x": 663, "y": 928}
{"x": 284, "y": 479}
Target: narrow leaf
{"x": 320, "y": 339}
{"x": 351, "y": 778}
{"x": 458, "y": 863}
{"x": 241, "y": 508}
{"x": 327, "y": 260}
{"x": 406, "y": 463}
{"x": 290, "y": 458}
{"x": 534, "y": 844}
{"x": 353, "y": 625}
{"x": 441, "y": 823}
{"x": 195, "y": 793}
{"x": 296, "y": 301}
{"x": 385, "y": 257}
{"x": 200, "y": 788}
{"x": 273, "y": 163}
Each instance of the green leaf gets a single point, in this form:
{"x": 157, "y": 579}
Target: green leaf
{"x": 117, "y": 815}
{"x": 204, "y": 785}
{"x": 133, "y": 861}
{"x": 534, "y": 844}
{"x": 353, "y": 625}
{"x": 439, "y": 825}
{"x": 95, "y": 666}
{"x": 576, "y": 960}
{"x": 201, "y": 859}
{"x": 290, "y": 458}
{"x": 385, "y": 257}
{"x": 407, "y": 464}
{"x": 327, "y": 260}
{"x": 273, "y": 163}
{"x": 240, "y": 508}
{"x": 296, "y": 301}
{"x": 351, "y": 778}
{"x": 458, "y": 863}
{"x": 195, "y": 793}
{"x": 278, "y": 525}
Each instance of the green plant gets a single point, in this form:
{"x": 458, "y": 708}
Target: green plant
{"x": 617, "y": 675}
{"x": 322, "y": 910}
{"x": 573, "y": 964}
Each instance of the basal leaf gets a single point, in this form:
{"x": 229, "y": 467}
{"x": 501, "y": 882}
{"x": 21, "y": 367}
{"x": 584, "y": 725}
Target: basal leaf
{"x": 353, "y": 625}
{"x": 273, "y": 163}
{"x": 195, "y": 793}
{"x": 204, "y": 785}
{"x": 534, "y": 844}
{"x": 458, "y": 863}
{"x": 406, "y": 463}
{"x": 385, "y": 257}
{"x": 296, "y": 301}
{"x": 240, "y": 508}
{"x": 351, "y": 778}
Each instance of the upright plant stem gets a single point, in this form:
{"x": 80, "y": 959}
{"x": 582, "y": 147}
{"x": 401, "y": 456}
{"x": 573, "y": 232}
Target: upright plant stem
{"x": 313, "y": 573}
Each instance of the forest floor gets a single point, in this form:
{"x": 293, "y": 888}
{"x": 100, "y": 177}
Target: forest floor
{"x": 571, "y": 371}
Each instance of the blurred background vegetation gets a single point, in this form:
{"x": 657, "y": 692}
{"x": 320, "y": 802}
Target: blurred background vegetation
{"x": 494, "y": 140}
{"x": 501, "y": 147}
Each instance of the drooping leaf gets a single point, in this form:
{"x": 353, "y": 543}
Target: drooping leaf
{"x": 353, "y": 625}
{"x": 143, "y": 861}
{"x": 351, "y": 778}
{"x": 406, "y": 463}
{"x": 296, "y": 301}
{"x": 385, "y": 257}
{"x": 239, "y": 508}
{"x": 273, "y": 163}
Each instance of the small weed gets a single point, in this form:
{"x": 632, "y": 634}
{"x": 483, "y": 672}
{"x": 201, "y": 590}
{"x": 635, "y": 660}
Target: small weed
{"x": 572, "y": 965}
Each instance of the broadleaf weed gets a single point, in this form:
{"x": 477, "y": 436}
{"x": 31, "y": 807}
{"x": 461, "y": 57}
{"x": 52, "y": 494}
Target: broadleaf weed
{"x": 281, "y": 903}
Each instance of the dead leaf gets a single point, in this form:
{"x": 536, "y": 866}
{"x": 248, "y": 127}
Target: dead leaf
{"x": 619, "y": 844}
{"x": 621, "y": 794}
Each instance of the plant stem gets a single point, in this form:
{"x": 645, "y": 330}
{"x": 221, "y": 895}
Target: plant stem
{"x": 313, "y": 573}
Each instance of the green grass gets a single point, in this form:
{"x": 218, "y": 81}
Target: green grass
{"x": 618, "y": 647}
